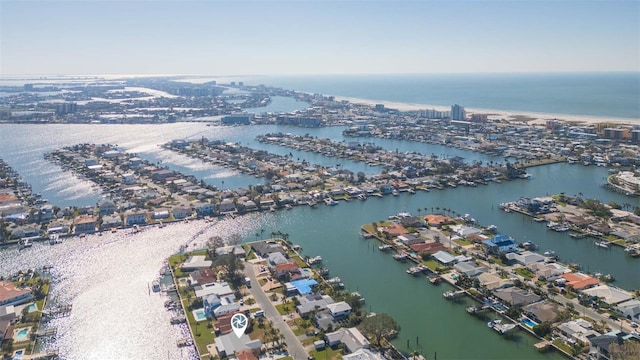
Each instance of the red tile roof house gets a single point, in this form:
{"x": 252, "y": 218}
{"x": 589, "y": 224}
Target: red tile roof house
{"x": 11, "y": 295}
{"x": 291, "y": 269}
{"x": 579, "y": 281}
{"x": 395, "y": 230}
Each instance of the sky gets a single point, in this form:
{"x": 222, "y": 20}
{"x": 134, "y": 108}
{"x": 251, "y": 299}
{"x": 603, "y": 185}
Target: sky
{"x": 317, "y": 37}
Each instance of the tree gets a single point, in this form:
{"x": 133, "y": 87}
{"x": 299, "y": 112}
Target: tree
{"x": 379, "y": 326}
{"x": 626, "y": 351}
{"x": 543, "y": 329}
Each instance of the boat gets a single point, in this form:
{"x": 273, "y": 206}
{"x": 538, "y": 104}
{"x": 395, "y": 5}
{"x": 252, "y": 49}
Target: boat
{"x": 314, "y": 260}
{"x": 435, "y": 280}
{"x": 560, "y": 228}
{"x": 577, "y": 235}
{"x": 53, "y": 239}
{"x": 416, "y": 270}
{"x": 549, "y": 253}
{"x": 602, "y": 244}
{"x": 330, "y": 202}
{"x": 336, "y": 281}
{"x": 155, "y": 286}
{"x": 452, "y": 294}
{"x": 385, "y": 247}
{"x": 400, "y": 256}
{"x": 539, "y": 219}
{"x": 358, "y": 296}
{"x": 184, "y": 342}
{"x": 25, "y": 243}
{"x": 312, "y": 203}
{"x": 501, "y": 328}
{"x": 528, "y": 245}
{"x": 178, "y": 320}
{"x": 492, "y": 228}
{"x": 394, "y": 193}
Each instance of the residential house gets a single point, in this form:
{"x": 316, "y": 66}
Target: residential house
{"x": 516, "y": 296}
{"x": 106, "y": 207}
{"x": 264, "y": 248}
{"x": 599, "y": 348}
{"x": 409, "y": 239}
{"x": 444, "y": 257}
{"x": 25, "y": 231}
{"x": 492, "y": 281}
{"x": 203, "y": 276}
{"x": 227, "y": 206}
{"x": 160, "y": 214}
{"x": 85, "y": 224}
{"x": 220, "y": 289}
{"x": 196, "y": 262}
{"x": 363, "y": 354}
{"x": 11, "y": 295}
{"x": 578, "y": 330}
{"x": 287, "y": 271}
{"x": 500, "y": 244}
{"x": 469, "y": 268}
{"x": 609, "y": 294}
{"x": 339, "y": 310}
{"x": 541, "y": 311}
{"x": 45, "y": 213}
{"x": 630, "y": 309}
{"x": 161, "y": 175}
{"x": 436, "y": 220}
{"x": 204, "y": 209}
{"x": 579, "y": 281}
{"x": 311, "y": 302}
{"x": 277, "y": 258}
{"x": 525, "y": 258}
{"x": 181, "y": 212}
{"x": 352, "y": 339}
{"x": 230, "y": 344}
{"x": 128, "y": 179}
{"x": 464, "y": 231}
{"x": 395, "y": 230}
{"x": 135, "y": 217}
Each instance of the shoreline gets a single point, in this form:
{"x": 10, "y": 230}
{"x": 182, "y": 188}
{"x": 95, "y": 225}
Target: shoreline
{"x": 530, "y": 117}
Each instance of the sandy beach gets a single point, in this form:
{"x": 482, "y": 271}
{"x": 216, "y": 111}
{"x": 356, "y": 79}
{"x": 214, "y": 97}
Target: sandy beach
{"x": 516, "y": 116}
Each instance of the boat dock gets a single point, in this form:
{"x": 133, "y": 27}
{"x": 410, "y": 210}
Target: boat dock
{"x": 453, "y": 294}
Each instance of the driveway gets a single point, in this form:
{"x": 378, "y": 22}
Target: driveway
{"x": 296, "y": 350}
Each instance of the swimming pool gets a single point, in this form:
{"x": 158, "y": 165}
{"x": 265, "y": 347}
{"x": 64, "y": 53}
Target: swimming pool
{"x": 199, "y": 315}
{"x": 530, "y": 323}
{"x": 22, "y": 334}
{"x": 32, "y": 307}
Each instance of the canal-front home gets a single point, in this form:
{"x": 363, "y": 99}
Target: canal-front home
{"x": 11, "y": 295}
{"x": 85, "y": 224}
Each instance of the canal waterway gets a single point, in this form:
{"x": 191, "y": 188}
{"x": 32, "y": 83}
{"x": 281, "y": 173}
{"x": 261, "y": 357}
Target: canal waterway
{"x": 105, "y": 277}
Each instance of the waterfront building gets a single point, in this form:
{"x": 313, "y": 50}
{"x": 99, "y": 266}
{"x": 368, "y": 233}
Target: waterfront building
{"x": 609, "y": 294}
{"x": 311, "y": 302}
{"x": 629, "y": 179}
{"x": 11, "y": 295}
{"x": 363, "y": 354}
{"x": 630, "y": 309}
{"x": 500, "y": 244}
{"x": 352, "y": 339}
{"x": 516, "y": 296}
{"x": 220, "y": 288}
{"x": 469, "y": 268}
{"x": 230, "y": 344}
{"x": 135, "y": 217}
{"x": 339, "y": 310}
{"x": 85, "y": 224}
{"x": 196, "y": 262}
{"x": 181, "y": 212}
{"x": 458, "y": 112}
{"x": 579, "y": 330}
{"x": 106, "y": 207}
{"x": 237, "y": 119}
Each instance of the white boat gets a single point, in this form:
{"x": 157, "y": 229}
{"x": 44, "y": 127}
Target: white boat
{"x": 25, "y": 243}
{"x": 314, "y": 260}
{"x": 501, "y": 328}
{"x": 385, "y": 247}
{"x": 602, "y": 244}
{"x": 330, "y": 202}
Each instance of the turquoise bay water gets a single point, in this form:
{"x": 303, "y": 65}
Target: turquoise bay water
{"x": 594, "y": 94}
{"x": 97, "y": 269}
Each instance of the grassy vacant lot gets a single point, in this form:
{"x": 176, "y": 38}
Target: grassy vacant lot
{"x": 327, "y": 353}
{"x": 525, "y": 273}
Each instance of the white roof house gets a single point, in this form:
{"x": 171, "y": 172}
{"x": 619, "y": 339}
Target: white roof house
{"x": 630, "y": 309}
{"x": 196, "y": 262}
{"x": 525, "y": 257}
{"x": 444, "y": 257}
{"x": 611, "y": 295}
{"x": 216, "y": 288}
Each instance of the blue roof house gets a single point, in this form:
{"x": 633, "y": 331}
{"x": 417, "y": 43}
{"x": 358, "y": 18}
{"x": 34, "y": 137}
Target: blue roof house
{"x": 500, "y": 244}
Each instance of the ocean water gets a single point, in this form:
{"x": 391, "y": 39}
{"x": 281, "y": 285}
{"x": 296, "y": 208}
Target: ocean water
{"x": 615, "y": 95}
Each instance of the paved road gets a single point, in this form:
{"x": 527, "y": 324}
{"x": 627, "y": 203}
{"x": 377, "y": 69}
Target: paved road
{"x": 614, "y": 324}
{"x": 296, "y": 350}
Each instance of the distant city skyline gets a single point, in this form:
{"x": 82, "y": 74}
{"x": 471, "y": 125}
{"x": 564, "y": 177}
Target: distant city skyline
{"x": 317, "y": 37}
